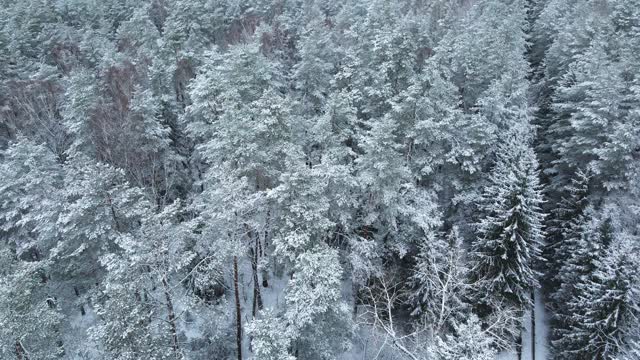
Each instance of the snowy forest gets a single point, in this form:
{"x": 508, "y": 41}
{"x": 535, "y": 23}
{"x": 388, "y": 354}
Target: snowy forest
{"x": 319, "y": 179}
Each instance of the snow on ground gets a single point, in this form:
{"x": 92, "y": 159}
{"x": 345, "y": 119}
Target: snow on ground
{"x": 541, "y": 335}
{"x": 273, "y": 296}
{"x": 542, "y": 329}
{"x": 366, "y": 342}
{"x": 507, "y": 355}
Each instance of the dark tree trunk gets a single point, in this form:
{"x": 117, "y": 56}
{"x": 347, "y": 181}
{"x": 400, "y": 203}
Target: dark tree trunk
{"x": 519, "y": 345}
{"x": 257, "y": 297}
{"x": 266, "y": 233}
{"x": 21, "y": 354}
{"x": 77, "y": 292}
{"x": 113, "y": 214}
{"x": 238, "y": 315}
{"x": 533, "y": 326}
{"x": 172, "y": 318}
{"x": 356, "y": 299}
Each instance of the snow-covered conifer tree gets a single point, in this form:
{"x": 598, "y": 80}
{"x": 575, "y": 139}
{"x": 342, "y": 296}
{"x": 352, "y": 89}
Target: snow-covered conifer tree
{"x": 509, "y": 232}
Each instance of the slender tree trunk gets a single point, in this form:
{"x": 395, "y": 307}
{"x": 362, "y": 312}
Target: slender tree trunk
{"x": 238, "y": 315}
{"x": 519, "y": 345}
{"x": 266, "y": 232}
{"x": 21, "y": 354}
{"x": 265, "y": 280}
{"x": 356, "y": 299}
{"x": 113, "y": 214}
{"x": 77, "y": 292}
{"x": 257, "y": 297}
{"x": 61, "y": 347}
{"x": 533, "y": 326}
{"x": 172, "y": 318}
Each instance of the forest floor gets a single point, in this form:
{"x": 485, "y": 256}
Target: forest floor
{"x": 541, "y": 335}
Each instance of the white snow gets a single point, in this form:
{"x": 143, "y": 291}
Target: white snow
{"x": 507, "y": 355}
{"x": 541, "y": 335}
{"x": 542, "y": 328}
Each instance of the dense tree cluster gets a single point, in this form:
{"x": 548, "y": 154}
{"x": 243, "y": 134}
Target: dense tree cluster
{"x": 317, "y": 179}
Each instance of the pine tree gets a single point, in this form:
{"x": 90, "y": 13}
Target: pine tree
{"x": 318, "y": 54}
{"x": 317, "y": 145}
{"x": 585, "y": 103}
{"x": 272, "y": 338}
{"x": 30, "y": 183}
{"x": 244, "y": 129}
{"x": 564, "y": 226}
{"x": 97, "y": 207}
{"x": 592, "y": 101}
{"x": 29, "y": 310}
{"x": 381, "y": 60}
{"x": 317, "y": 324}
{"x": 81, "y": 98}
{"x": 150, "y": 157}
{"x": 487, "y": 42}
{"x": 584, "y": 251}
{"x": 142, "y": 277}
{"x": 248, "y": 87}
{"x": 509, "y": 232}
{"x": 469, "y": 342}
{"x": 563, "y": 31}
{"x": 444, "y": 140}
{"x": 30, "y": 179}
{"x": 608, "y": 304}
{"x": 128, "y": 327}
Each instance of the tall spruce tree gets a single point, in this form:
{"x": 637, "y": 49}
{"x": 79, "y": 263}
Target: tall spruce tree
{"x": 607, "y": 308}
{"x": 509, "y": 231}
{"x": 585, "y": 251}
{"x": 565, "y": 225}
{"x": 318, "y": 145}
